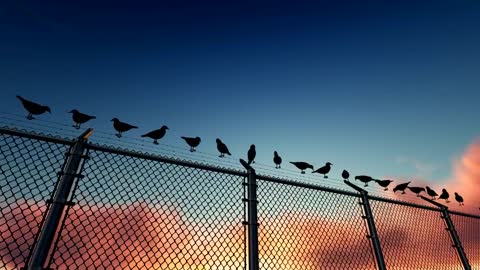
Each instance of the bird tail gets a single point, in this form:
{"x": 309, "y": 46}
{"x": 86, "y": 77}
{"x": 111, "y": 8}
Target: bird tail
{"x": 229, "y": 153}
{"x": 144, "y": 135}
{"x": 376, "y": 180}
{"x": 21, "y": 98}
{"x": 134, "y": 127}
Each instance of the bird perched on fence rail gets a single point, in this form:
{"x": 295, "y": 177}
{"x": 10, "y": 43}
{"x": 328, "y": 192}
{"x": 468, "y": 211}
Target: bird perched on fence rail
{"x": 156, "y": 134}
{"x": 401, "y": 187}
{"x": 431, "y": 193}
{"x": 277, "y": 160}
{"x": 33, "y": 108}
{"x": 302, "y": 166}
{"x": 222, "y": 148}
{"x": 324, "y": 170}
{"x": 459, "y": 198}
{"x": 444, "y": 195}
{"x": 251, "y": 154}
{"x": 383, "y": 183}
{"x": 364, "y": 178}
{"x": 417, "y": 190}
{"x": 192, "y": 142}
{"x": 345, "y": 175}
{"x": 121, "y": 127}
{"x": 80, "y": 118}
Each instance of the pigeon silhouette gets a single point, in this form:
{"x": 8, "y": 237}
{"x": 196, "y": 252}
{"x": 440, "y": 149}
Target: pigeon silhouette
{"x": 222, "y": 148}
{"x": 431, "y": 193}
{"x": 251, "y": 154}
{"x": 192, "y": 142}
{"x": 364, "y": 178}
{"x": 33, "y": 108}
{"x": 121, "y": 127}
{"x": 80, "y": 118}
{"x": 459, "y": 198}
{"x": 401, "y": 187}
{"x": 277, "y": 160}
{"x": 444, "y": 195}
{"x": 156, "y": 134}
{"x": 345, "y": 175}
{"x": 302, "y": 166}
{"x": 417, "y": 190}
{"x": 384, "y": 183}
{"x": 324, "y": 170}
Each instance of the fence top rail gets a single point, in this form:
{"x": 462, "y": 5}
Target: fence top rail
{"x": 187, "y": 163}
{"x": 35, "y": 136}
{"x": 143, "y": 155}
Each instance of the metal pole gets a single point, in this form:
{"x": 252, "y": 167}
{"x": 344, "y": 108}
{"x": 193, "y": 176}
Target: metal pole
{"x": 377, "y": 248}
{"x": 252, "y": 220}
{"x": 457, "y": 244}
{"x": 60, "y": 199}
{"x": 252, "y": 216}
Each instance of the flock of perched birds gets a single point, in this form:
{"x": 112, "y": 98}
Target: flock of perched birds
{"x": 121, "y": 127}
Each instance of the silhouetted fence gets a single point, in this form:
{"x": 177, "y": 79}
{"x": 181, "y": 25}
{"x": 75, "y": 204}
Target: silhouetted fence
{"x": 74, "y": 205}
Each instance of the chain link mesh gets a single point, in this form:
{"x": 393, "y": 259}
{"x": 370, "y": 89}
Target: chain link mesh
{"x": 141, "y": 214}
{"x": 413, "y": 238}
{"x": 138, "y": 212}
{"x": 302, "y": 228}
{"x": 28, "y": 173}
{"x": 468, "y": 230}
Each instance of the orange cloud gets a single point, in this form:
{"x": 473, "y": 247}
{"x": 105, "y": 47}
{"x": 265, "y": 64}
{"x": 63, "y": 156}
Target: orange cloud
{"x": 466, "y": 176}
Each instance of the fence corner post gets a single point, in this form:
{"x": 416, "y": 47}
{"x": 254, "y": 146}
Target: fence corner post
{"x": 252, "y": 216}
{"x": 457, "y": 244}
{"x": 377, "y": 248}
{"x": 70, "y": 172}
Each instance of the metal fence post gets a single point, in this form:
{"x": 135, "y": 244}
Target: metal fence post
{"x": 457, "y": 244}
{"x": 60, "y": 200}
{"x": 252, "y": 216}
{"x": 377, "y": 248}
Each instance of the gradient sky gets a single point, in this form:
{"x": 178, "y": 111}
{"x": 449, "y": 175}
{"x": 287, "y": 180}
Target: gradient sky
{"x": 378, "y": 87}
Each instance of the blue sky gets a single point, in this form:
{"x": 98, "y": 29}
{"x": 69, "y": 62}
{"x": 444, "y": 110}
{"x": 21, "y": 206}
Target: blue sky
{"x": 372, "y": 86}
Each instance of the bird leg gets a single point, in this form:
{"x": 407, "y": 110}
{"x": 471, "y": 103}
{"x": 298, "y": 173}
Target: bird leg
{"x": 30, "y": 117}
{"x": 403, "y": 192}
{"x": 222, "y": 155}
{"x": 385, "y": 189}
{"x": 119, "y": 134}
{"x": 418, "y": 195}
{"x": 302, "y": 172}
{"x": 192, "y": 149}
{"x": 155, "y": 142}
{"x": 324, "y": 176}
{"x": 366, "y": 185}
{"x": 77, "y": 126}
{"x": 447, "y": 201}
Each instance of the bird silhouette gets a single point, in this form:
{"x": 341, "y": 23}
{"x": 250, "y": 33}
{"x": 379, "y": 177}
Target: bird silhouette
{"x": 277, "y": 160}
{"x": 192, "y": 142}
{"x": 459, "y": 199}
{"x": 33, "y": 108}
{"x": 444, "y": 195}
{"x": 80, "y": 118}
{"x": 302, "y": 166}
{"x": 121, "y": 127}
{"x": 383, "y": 183}
{"x": 401, "y": 187}
{"x": 222, "y": 148}
{"x": 364, "y": 178}
{"x": 324, "y": 170}
{"x": 345, "y": 175}
{"x": 431, "y": 193}
{"x": 156, "y": 134}
{"x": 417, "y": 190}
{"x": 251, "y": 154}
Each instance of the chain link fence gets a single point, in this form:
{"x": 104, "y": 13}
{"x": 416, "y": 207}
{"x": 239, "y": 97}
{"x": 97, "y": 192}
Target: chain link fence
{"x": 130, "y": 210}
